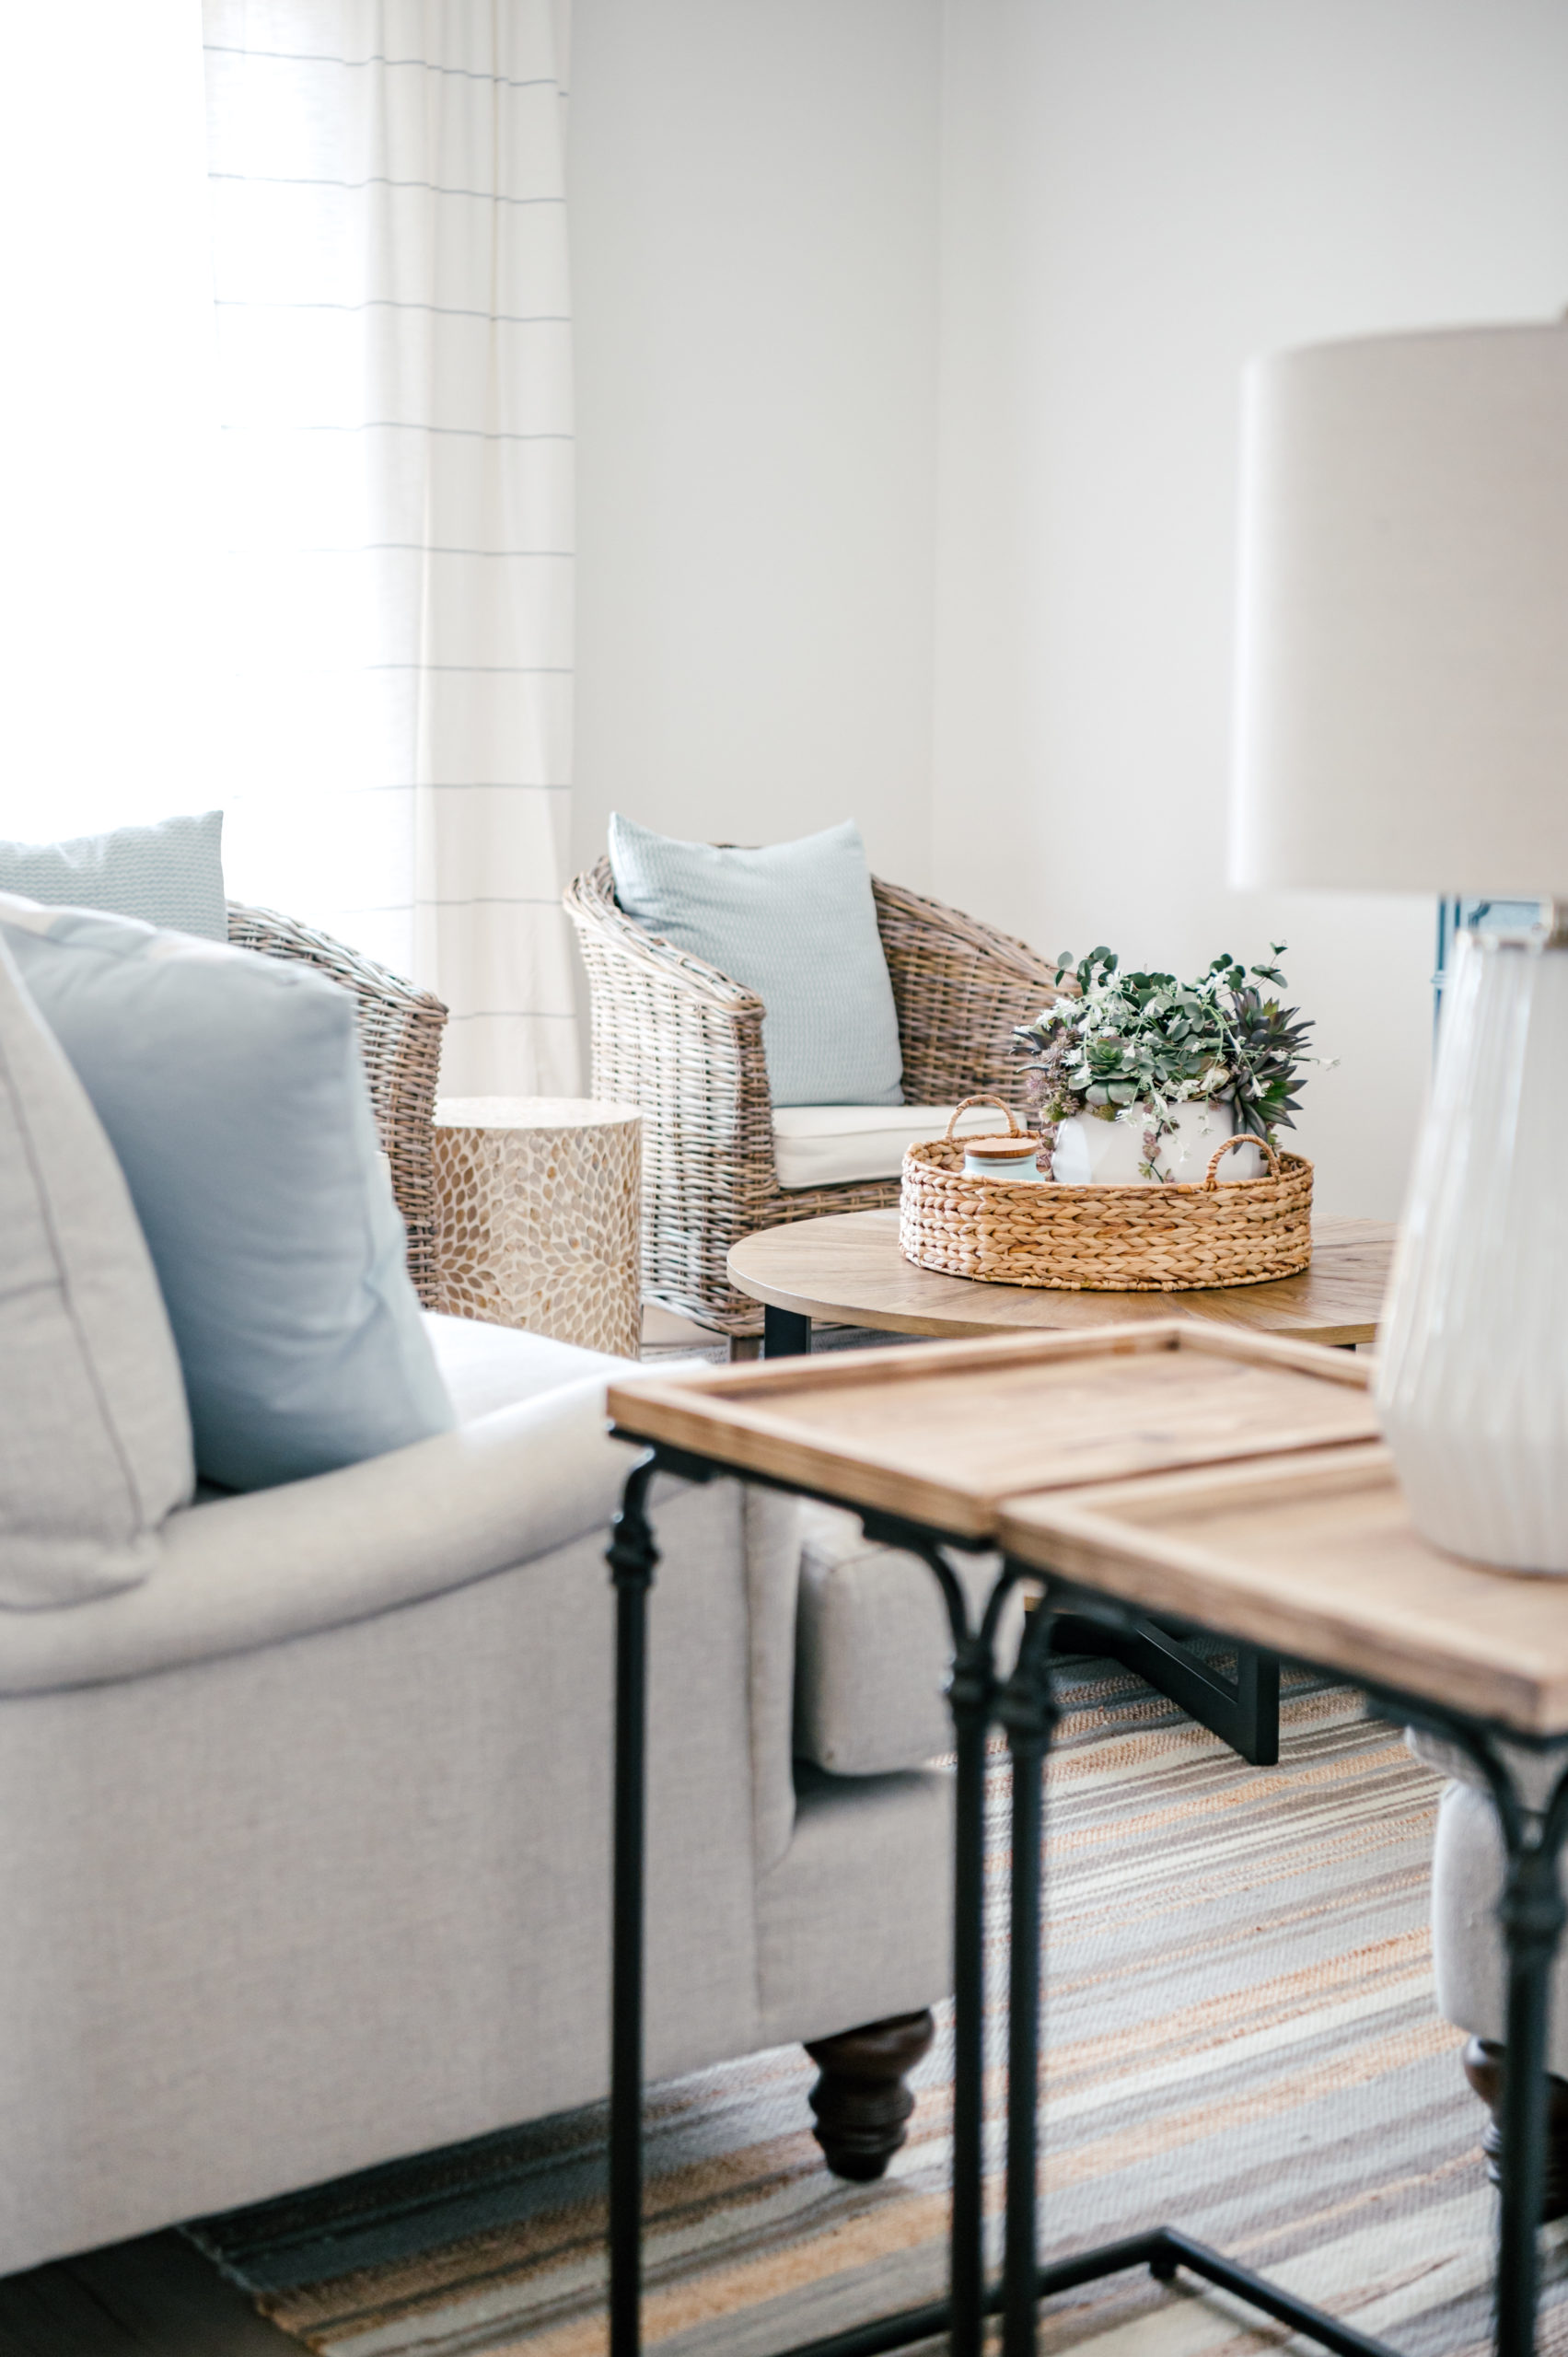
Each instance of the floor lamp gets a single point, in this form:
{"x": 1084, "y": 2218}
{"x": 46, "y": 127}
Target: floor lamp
{"x": 1402, "y": 727}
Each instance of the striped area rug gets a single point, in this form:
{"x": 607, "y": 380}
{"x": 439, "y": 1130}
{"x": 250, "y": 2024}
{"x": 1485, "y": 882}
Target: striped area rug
{"x": 1241, "y": 2040}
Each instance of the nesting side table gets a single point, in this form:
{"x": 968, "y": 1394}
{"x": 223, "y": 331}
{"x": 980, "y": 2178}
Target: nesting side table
{"x": 1231, "y": 1480}
{"x": 927, "y": 1447}
{"x": 537, "y": 1216}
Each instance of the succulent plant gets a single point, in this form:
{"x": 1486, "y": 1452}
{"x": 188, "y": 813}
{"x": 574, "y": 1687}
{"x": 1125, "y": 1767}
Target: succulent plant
{"x": 1133, "y": 1046}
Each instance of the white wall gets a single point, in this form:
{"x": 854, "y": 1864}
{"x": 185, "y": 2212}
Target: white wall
{"x": 1137, "y": 195}
{"x": 754, "y": 253}
{"x": 909, "y": 338}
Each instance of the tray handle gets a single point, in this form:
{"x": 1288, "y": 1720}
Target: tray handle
{"x": 1242, "y": 1137}
{"x": 1012, "y": 1128}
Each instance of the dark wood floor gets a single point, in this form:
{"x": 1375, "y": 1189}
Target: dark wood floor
{"x": 153, "y": 2293}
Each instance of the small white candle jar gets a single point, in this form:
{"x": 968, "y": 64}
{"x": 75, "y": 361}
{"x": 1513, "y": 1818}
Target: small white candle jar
{"x": 1014, "y": 1159}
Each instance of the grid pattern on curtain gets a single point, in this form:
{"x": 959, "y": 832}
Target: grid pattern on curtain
{"x": 394, "y": 369}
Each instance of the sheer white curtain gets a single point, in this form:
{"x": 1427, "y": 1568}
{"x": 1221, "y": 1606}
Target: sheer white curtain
{"x": 106, "y": 415}
{"x": 395, "y": 399}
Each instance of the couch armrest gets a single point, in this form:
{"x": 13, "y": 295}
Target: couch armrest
{"x": 243, "y": 1572}
{"x": 1534, "y": 1772}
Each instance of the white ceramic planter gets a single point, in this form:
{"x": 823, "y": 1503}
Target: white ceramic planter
{"x": 1092, "y": 1152}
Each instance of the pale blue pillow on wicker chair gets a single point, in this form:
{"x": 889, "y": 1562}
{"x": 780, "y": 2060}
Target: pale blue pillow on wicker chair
{"x": 170, "y": 874}
{"x": 234, "y": 1095}
{"x": 796, "y": 922}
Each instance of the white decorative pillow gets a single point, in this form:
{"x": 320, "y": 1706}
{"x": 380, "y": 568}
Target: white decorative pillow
{"x": 95, "y": 1438}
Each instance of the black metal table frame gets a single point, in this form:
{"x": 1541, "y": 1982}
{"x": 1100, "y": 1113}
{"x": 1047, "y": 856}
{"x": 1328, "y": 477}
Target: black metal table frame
{"x": 1531, "y": 1912}
{"x": 1243, "y": 1710}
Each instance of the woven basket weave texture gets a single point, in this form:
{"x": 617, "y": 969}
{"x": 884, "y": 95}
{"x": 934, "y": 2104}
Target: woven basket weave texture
{"x": 684, "y": 1041}
{"x": 400, "y": 1039}
{"x": 1172, "y": 1238}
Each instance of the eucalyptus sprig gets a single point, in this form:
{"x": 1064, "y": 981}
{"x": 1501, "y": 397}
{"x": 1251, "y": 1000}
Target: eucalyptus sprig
{"x": 1135, "y": 1046}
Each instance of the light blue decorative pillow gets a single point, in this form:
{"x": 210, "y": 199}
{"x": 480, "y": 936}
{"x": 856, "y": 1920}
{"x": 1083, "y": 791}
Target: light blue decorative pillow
{"x": 796, "y": 922}
{"x": 170, "y": 874}
{"x": 231, "y": 1088}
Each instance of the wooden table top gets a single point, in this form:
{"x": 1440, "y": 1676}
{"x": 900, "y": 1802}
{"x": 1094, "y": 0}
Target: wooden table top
{"x": 848, "y": 1267}
{"x": 1314, "y": 1556}
{"x": 943, "y": 1437}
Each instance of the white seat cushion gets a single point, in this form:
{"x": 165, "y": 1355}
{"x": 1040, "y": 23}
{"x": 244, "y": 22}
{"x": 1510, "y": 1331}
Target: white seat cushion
{"x": 486, "y": 1368}
{"x": 828, "y": 1146}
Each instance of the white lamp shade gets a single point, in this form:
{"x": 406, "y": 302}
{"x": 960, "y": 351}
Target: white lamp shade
{"x": 1403, "y": 720}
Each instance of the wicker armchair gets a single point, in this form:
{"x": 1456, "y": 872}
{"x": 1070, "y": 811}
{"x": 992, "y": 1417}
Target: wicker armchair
{"x": 399, "y": 1038}
{"x": 685, "y": 1042}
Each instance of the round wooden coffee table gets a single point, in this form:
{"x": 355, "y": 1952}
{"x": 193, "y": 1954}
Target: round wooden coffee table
{"x": 847, "y": 1270}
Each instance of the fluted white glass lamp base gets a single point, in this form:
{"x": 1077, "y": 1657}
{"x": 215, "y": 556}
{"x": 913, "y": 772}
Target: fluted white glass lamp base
{"x": 1472, "y": 1384}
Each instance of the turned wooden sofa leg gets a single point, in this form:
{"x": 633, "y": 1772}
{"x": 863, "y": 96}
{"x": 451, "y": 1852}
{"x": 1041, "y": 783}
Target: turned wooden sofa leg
{"x": 860, "y": 2100}
{"x": 1483, "y": 2068}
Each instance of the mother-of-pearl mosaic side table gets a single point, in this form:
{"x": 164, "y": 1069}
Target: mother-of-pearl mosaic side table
{"x": 537, "y": 1216}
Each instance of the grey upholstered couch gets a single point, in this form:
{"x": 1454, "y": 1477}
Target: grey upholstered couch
{"x": 305, "y": 1841}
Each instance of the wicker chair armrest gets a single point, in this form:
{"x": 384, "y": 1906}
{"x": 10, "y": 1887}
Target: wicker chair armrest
{"x": 589, "y": 900}
{"x": 277, "y": 935}
{"x": 669, "y": 1031}
{"x": 960, "y": 986}
{"x": 684, "y": 1041}
{"x": 909, "y": 921}
{"x": 399, "y": 1040}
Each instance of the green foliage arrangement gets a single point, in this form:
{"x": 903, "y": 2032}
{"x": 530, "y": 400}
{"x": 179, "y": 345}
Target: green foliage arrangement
{"x": 1133, "y": 1047}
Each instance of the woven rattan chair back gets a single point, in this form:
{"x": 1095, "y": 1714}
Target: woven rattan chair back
{"x": 399, "y": 1038}
{"x": 684, "y": 1041}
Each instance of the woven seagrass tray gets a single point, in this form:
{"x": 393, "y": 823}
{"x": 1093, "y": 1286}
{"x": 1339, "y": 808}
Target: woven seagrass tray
{"x": 1173, "y": 1238}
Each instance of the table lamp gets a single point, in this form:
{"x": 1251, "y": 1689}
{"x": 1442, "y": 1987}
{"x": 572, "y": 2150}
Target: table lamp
{"x": 1402, "y": 727}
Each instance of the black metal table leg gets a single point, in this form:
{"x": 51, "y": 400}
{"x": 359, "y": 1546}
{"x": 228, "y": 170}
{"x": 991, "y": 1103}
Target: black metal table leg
{"x": 1257, "y": 1736}
{"x": 970, "y": 1698}
{"x": 1532, "y": 1915}
{"x": 632, "y": 1557}
{"x": 1029, "y": 1713}
{"x": 786, "y": 1334}
{"x": 1243, "y": 1710}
